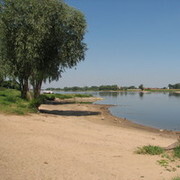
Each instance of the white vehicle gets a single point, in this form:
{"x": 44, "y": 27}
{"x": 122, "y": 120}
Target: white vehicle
{"x": 47, "y": 92}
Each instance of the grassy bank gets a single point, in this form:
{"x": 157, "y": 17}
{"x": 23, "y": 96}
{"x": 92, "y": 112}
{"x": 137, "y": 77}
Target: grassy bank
{"x": 12, "y": 103}
{"x": 67, "y": 96}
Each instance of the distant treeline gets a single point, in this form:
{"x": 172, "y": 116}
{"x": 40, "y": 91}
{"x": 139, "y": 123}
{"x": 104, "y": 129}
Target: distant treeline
{"x": 112, "y": 88}
{"x": 174, "y": 86}
{"x": 93, "y": 88}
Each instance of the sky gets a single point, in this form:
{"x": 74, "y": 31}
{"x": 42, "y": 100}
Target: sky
{"x": 130, "y": 42}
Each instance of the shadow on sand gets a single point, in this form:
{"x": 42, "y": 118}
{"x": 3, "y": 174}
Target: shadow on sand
{"x": 70, "y": 113}
{"x": 59, "y": 103}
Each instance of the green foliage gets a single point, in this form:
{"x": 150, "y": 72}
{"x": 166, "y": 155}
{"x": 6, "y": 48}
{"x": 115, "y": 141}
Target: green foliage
{"x": 66, "y": 96}
{"x": 177, "y": 152}
{"x": 169, "y": 157}
{"x": 91, "y": 88}
{"x": 39, "y": 40}
{"x": 174, "y": 86}
{"x": 94, "y": 88}
{"x": 35, "y": 103}
{"x": 163, "y": 163}
{"x": 141, "y": 87}
{"x": 107, "y": 88}
{"x": 152, "y": 150}
{"x": 10, "y": 84}
{"x": 50, "y": 97}
{"x": 82, "y": 95}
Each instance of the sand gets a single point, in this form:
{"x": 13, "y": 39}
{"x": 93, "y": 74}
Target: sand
{"x": 78, "y": 142}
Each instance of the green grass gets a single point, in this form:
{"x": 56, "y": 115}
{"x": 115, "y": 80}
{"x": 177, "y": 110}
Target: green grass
{"x": 11, "y": 102}
{"x": 152, "y": 150}
{"x": 68, "y": 96}
{"x": 176, "y": 178}
{"x": 168, "y": 157}
{"x": 163, "y": 162}
{"x": 177, "y": 152}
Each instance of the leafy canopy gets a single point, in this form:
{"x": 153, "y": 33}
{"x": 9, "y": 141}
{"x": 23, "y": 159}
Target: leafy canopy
{"x": 39, "y": 39}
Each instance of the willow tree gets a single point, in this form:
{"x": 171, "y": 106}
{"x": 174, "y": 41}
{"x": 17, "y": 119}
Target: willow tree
{"x": 40, "y": 39}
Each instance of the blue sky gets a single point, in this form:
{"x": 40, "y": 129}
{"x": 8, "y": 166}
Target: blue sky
{"x": 130, "y": 42}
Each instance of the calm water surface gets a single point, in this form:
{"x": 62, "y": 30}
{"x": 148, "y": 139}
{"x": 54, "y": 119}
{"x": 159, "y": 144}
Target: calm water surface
{"x": 160, "y": 110}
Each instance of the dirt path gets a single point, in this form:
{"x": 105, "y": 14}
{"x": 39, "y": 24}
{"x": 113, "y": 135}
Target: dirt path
{"x": 77, "y": 142}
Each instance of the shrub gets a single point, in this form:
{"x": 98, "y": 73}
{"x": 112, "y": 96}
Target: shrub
{"x": 152, "y": 150}
{"x": 50, "y": 97}
{"x": 35, "y": 103}
{"x": 177, "y": 152}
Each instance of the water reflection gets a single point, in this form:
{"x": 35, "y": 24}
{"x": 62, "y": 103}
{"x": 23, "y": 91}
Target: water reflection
{"x": 116, "y": 94}
{"x": 110, "y": 94}
{"x": 177, "y": 95}
{"x": 141, "y": 94}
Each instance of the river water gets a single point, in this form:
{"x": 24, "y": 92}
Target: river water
{"x": 159, "y": 110}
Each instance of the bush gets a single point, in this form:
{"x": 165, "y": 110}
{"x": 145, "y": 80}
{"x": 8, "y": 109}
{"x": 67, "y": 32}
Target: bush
{"x": 177, "y": 152}
{"x": 35, "y": 103}
{"x": 152, "y": 150}
{"x": 50, "y": 97}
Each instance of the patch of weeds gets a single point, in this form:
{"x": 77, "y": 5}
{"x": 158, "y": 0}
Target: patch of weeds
{"x": 50, "y": 97}
{"x": 83, "y": 95}
{"x": 176, "y": 178}
{"x": 177, "y": 152}
{"x": 68, "y": 96}
{"x": 152, "y": 150}
{"x": 168, "y": 156}
{"x": 163, "y": 163}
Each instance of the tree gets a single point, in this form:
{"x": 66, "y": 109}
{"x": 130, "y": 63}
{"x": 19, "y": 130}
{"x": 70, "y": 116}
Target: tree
{"x": 39, "y": 40}
{"x": 141, "y": 87}
{"x": 174, "y": 86}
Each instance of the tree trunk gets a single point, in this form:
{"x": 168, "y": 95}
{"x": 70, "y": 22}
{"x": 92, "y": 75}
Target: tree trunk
{"x": 24, "y": 88}
{"x": 37, "y": 88}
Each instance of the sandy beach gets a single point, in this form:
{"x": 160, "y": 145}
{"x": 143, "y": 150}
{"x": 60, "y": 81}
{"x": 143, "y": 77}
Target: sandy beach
{"x": 79, "y": 142}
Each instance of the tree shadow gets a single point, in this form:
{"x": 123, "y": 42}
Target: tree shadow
{"x": 70, "y": 113}
{"x": 59, "y": 103}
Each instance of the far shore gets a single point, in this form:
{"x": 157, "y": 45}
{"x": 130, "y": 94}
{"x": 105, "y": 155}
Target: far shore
{"x": 79, "y": 141}
{"x": 124, "y": 90}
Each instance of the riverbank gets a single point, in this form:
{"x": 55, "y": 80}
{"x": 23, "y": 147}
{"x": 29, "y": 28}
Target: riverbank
{"x": 78, "y": 141}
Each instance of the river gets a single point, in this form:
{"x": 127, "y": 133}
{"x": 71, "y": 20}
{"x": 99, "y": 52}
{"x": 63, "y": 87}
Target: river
{"x": 159, "y": 110}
